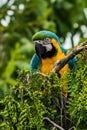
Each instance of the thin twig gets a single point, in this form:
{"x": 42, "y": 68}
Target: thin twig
{"x": 61, "y": 110}
{"x": 53, "y": 123}
{"x": 72, "y": 128}
{"x": 68, "y": 119}
{"x": 42, "y": 74}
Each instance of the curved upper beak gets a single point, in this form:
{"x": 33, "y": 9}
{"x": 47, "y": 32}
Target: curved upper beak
{"x": 39, "y": 48}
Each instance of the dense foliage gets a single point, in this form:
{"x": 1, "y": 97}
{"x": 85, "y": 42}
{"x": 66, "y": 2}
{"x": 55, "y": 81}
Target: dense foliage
{"x": 25, "y": 99}
{"x": 36, "y": 97}
{"x": 78, "y": 99}
{"x": 20, "y": 19}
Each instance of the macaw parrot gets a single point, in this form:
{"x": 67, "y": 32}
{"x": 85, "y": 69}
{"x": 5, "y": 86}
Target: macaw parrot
{"x": 48, "y": 50}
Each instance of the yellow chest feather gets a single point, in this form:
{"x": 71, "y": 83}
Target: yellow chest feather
{"x": 48, "y": 64}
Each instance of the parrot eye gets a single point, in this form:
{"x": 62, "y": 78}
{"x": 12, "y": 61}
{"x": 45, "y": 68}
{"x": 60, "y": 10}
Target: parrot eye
{"x": 47, "y": 41}
{"x": 38, "y": 41}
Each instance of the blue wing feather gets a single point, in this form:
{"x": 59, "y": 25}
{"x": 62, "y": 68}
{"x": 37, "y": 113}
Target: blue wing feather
{"x": 72, "y": 63}
{"x": 35, "y": 63}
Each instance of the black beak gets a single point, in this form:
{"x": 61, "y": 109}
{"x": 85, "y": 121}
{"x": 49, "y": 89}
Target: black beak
{"x": 40, "y": 50}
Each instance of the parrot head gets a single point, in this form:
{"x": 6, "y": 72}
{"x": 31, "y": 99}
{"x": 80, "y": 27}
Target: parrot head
{"x": 47, "y": 44}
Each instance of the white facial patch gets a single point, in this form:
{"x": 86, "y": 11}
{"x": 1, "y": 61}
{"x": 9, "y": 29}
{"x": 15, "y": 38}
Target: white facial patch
{"x": 48, "y": 47}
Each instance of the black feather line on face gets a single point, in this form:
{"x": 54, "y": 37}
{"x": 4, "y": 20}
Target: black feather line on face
{"x": 42, "y": 53}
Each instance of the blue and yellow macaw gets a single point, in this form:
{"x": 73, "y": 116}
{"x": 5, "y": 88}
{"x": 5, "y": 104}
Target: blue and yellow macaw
{"x": 48, "y": 51}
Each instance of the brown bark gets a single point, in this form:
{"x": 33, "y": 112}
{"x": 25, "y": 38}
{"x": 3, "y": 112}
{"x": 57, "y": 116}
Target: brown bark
{"x": 61, "y": 63}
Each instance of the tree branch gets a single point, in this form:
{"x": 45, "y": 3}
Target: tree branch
{"x": 61, "y": 63}
{"x": 53, "y": 123}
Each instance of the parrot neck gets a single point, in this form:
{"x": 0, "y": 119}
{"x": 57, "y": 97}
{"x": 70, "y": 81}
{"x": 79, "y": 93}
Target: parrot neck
{"x": 48, "y": 64}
